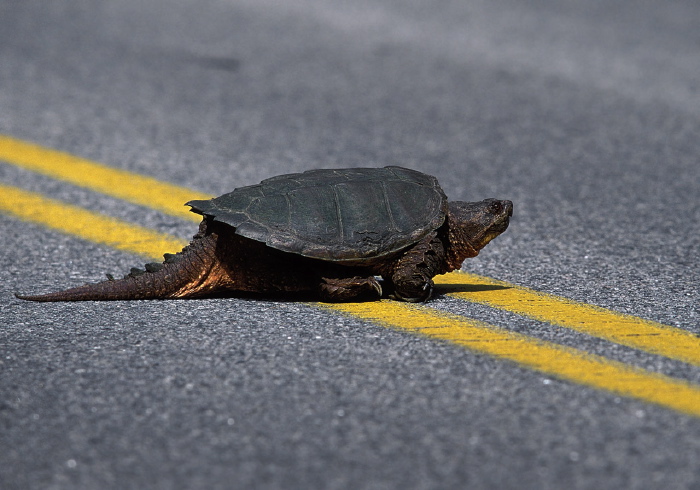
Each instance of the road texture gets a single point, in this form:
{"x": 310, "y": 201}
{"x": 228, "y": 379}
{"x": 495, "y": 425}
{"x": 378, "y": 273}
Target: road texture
{"x": 585, "y": 114}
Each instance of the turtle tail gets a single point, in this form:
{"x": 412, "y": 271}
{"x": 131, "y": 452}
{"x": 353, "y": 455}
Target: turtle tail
{"x": 177, "y": 277}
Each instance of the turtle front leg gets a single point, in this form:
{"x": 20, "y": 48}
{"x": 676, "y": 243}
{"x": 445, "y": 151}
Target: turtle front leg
{"x": 343, "y": 289}
{"x": 412, "y": 276}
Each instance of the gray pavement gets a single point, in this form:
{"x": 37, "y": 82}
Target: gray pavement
{"x": 585, "y": 114}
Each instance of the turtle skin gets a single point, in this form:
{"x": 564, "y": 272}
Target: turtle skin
{"x": 334, "y": 234}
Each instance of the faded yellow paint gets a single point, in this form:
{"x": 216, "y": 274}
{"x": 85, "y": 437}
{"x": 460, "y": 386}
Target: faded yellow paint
{"x": 79, "y": 222}
{"x": 552, "y": 359}
{"x": 628, "y": 330}
{"x": 131, "y": 187}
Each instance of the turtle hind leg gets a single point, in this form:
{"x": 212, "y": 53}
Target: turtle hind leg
{"x": 344, "y": 289}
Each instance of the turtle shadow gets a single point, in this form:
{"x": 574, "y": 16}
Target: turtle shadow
{"x": 310, "y": 297}
{"x": 467, "y": 288}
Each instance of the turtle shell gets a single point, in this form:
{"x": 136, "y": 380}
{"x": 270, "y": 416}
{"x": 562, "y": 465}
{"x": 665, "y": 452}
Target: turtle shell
{"x": 350, "y": 215}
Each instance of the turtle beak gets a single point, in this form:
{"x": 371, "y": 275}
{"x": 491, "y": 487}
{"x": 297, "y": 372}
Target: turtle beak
{"x": 508, "y": 205}
{"x": 506, "y": 213}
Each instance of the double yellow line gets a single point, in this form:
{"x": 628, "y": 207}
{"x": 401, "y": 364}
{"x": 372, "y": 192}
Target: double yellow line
{"x": 552, "y": 359}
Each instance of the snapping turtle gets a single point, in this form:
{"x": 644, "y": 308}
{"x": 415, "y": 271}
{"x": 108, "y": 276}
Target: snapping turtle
{"x": 325, "y": 232}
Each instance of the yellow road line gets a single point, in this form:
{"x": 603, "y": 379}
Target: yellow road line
{"x": 623, "y": 329}
{"x": 563, "y": 362}
{"x": 628, "y": 330}
{"x": 559, "y": 361}
{"x": 553, "y": 359}
{"x": 85, "y": 224}
{"x": 138, "y": 189}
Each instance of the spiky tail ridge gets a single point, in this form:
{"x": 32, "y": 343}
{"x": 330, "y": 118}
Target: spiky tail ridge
{"x": 173, "y": 278}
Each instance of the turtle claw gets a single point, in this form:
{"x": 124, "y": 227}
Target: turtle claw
{"x": 425, "y": 294}
{"x": 350, "y": 289}
{"x": 377, "y": 287}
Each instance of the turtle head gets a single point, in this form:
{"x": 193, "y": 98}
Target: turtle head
{"x": 472, "y": 225}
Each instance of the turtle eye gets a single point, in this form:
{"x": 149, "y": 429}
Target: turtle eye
{"x": 496, "y": 207}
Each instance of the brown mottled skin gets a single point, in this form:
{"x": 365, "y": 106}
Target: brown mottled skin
{"x": 219, "y": 262}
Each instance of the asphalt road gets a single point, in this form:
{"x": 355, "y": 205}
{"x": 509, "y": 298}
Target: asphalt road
{"x": 585, "y": 114}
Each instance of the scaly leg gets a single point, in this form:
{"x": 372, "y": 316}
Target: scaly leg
{"x": 336, "y": 290}
{"x": 413, "y": 273}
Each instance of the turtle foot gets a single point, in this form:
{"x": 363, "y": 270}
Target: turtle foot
{"x": 336, "y": 290}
